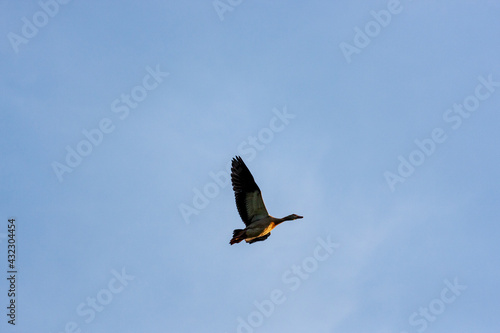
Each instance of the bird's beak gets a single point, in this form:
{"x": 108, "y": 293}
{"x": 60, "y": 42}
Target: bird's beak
{"x": 300, "y": 217}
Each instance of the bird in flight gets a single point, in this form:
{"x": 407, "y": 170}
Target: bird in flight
{"x": 251, "y": 207}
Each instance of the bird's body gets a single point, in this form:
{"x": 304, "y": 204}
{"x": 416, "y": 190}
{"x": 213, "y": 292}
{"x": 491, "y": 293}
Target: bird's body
{"x": 251, "y": 207}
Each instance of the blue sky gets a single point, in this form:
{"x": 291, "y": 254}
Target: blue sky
{"x": 119, "y": 119}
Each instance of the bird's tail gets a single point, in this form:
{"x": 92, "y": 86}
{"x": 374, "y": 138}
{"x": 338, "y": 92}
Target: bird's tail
{"x": 238, "y": 236}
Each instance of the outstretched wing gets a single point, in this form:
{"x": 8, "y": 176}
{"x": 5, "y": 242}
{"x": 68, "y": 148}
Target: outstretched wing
{"x": 248, "y": 197}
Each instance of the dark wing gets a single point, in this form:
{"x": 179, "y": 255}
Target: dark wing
{"x": 248, "y": 197}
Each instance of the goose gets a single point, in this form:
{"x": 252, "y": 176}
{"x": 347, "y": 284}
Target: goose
{"x": 251, "y": 207}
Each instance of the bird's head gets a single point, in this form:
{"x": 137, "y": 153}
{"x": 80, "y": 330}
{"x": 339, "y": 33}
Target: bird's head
{"x": 293, "y": 217}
